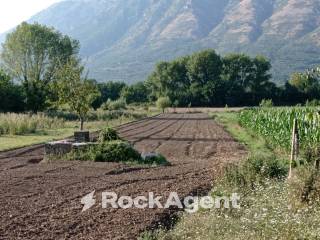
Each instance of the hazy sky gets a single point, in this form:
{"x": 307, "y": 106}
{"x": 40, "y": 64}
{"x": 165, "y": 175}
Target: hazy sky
{"x": 13, "y": 12}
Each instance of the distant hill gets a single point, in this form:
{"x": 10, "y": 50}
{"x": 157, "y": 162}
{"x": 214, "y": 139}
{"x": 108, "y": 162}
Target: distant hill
{"x": 123, "y": 39}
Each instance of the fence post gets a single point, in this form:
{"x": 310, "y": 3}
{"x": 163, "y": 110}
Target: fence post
{"x": 294, "y": 145}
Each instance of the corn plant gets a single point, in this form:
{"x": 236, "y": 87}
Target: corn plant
{"x": 275, "y": 124}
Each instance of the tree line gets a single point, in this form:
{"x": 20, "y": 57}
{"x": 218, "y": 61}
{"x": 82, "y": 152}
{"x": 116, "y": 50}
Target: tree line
{"x": 41, "y": 70}
{"x": 208, "y": 79}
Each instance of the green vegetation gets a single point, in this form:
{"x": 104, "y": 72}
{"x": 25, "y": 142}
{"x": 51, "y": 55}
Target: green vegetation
{"x": 108, "y": 134}
{"x": 108, "y": 91}
{"x": 157, "y": 159}
{"x": 19, "y": 124}
{"x": 31, "y": 54}
{"x": 207, "y": 79}
{"x": 110, "y": 148}
{"x": 275, "y": 124}
{"x": 136, "y": 93}
{"x": 119, "y": 104}
{"x": 11, "y": 95}
{"x": 108, "y": 151}
{"x": 59, "y": 125}
{"x": 74, "y": 90}
{"x": 8, "y": 142}
{"x": 163, "y": 103}
{"x": 272, "y": 207}
{"x": 266, "y": 103}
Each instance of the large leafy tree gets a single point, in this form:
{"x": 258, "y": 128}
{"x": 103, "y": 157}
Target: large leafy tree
{"x": 238, "y": 71}
{"x": 157, "y": 81}
{"x": 204, "y": 70}
{"x": 32, "y": 54}
{"x": 170, "y": 79}
{"x": 136, "y": 93}
{"x": 260, "y": 86}
{"x": 306, "y": 83}
{"x": 74, "y": 90}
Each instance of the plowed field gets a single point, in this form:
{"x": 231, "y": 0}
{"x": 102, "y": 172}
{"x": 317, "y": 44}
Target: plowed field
{"x": 42, "y": 200}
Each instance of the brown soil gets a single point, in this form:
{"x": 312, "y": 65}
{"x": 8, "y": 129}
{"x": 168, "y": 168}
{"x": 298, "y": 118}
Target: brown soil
{"x": 42, "y": 200}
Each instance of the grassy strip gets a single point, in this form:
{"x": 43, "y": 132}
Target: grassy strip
{"x": 255, "y": 144}
{"x": 271, "y": 207}
{"x": 43, "y": 133}
{"x": 8, "y": 142}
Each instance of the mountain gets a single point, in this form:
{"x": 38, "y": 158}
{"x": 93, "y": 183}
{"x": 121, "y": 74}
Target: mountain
{"x": 123, "y": 39}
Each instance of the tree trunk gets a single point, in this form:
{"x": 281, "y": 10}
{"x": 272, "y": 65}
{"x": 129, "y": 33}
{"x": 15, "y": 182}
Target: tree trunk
{"x": 81, "y": 124}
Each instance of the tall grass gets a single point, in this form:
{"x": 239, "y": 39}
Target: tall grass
{"x": 19, "y": 124}
{"x": 99, "y": 115}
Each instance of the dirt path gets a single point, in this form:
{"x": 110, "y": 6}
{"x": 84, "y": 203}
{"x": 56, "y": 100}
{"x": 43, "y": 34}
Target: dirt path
{"x": 42, "y": 201}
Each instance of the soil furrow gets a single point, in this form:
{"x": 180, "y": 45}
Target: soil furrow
{"x": 43, "y": 200}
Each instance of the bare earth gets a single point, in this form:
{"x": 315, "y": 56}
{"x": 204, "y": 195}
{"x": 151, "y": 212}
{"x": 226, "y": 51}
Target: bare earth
{"x": 42, "y": 200}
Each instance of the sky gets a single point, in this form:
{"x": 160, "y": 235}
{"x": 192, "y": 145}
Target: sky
{"x": 13, "y": 12}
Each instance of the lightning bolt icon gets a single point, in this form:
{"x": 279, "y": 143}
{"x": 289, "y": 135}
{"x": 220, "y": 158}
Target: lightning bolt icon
{"x": 88, "y": 201}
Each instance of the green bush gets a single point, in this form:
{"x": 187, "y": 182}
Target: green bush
{"x": 311, "y": 154}
{"x": 255, "y": 170}
{"x": 117, "y": 151}
{"x": 158, "y": 160}
{"x": 108, "y": 134}
{"x": 112, "y": 151}
{"x": 266, "y": 103}
{"x": 119, "y": 104}
{"x": 81, "y": 154}
{"x": 163, "y": 103}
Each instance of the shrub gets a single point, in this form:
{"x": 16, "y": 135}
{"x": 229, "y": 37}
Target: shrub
{"x": 163, "y": 103}
{"x": 255, "y": 170}
{"x": 311, "y": 154}
{"x": 112, "y": 151}
{"x": 108, "y": 134}
{"x": 119, "y": 104}
{"x": 82, "y": 154}
{"x": 275, "y": 168}
{"x": 305, "y": 186}
{"x": 157, "y": 159}
{"x": 266, "y": 103}
{"x": 117, "y": 151}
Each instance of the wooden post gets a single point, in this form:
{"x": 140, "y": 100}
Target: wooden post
{"x": 294, "y": 146}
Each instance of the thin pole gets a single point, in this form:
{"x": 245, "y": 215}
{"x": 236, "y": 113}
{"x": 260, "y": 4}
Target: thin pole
{"x": 294, "y": 145}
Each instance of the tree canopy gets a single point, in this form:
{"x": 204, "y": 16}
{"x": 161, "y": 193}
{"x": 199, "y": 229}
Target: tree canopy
{"x": 74, "y": 90}
{"x": 32, "y": 53}
{"x": 136, "y": 93}
{"x": 207, "y": 79}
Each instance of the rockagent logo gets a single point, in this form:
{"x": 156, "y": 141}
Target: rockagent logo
{"x": 191, "y": 204}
